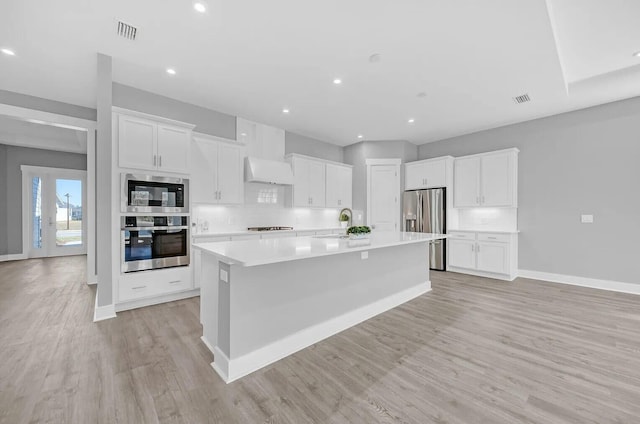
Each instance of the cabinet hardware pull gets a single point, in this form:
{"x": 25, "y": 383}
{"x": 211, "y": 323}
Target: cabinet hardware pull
{"x": 478, "y": 199}
{"x": 492, "y": 238}
{"x": 139, "y": 287}
{"x": 477, "y": 248}
{"x": 482, "y": 199}
{"x": 160, "y": 160}
{"x": 472, "y": 248}
{"x": 154, "y": 160}
{"x": 219, "y": 195}
{"x": 174, "y": 282}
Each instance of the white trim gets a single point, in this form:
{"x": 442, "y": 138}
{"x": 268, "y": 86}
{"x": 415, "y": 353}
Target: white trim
{"x": 156, "y": 118}
{"x": 332, "y": 162}
{"x": 246, "y": 364}
{"x": 594, "y": 283}
{"x": 90, "y": 210}
{"x": 394, "y": 161}
{"x": 47, "y": 118}
{"x": 213, "y": 138}
{"x": 140, "y": 303}
{"x": 495, "y": 276}
{"x": 398, "y": 164}
{"x": 12, "y": 257}
{"x": 101, "y": 313}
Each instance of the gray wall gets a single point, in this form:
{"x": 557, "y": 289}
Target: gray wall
{"x": 356, "y": 155}
{"x": 14, "y": 158}
{"x": 207, "y": 121}
{"x": 583, "y": 162}
{"x": 295, "y": 143}
{"x": 45, "y": 105}
{"x": 4, "y": 202}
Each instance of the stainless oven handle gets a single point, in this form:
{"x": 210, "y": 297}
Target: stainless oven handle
{"x": 171, "y": 227}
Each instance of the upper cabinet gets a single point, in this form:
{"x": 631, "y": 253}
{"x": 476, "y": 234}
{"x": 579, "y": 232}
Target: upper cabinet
{"x": 262, "y": 141}
{"x": 217, "y": 171}
{"x": 428, "y": 173}
{"x": 146, "y": 143}
{"x": 308, "y": 182}
{"x": 338, "y": 184}
{"x": 319, "y": 183}
{"x": 486, "y": 180}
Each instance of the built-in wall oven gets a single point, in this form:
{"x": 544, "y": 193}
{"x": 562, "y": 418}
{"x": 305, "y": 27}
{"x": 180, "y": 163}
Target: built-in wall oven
{"x": 152, "y": 242}
{"x": 152, "y": 194}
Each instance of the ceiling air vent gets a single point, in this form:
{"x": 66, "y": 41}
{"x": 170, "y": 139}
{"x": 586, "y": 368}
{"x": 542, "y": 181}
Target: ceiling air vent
{"x": 127, "y": 31}
{"x": 524, "y": 98}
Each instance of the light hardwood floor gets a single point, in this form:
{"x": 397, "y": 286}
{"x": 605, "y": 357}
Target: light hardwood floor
{"x": 474, "y": 350}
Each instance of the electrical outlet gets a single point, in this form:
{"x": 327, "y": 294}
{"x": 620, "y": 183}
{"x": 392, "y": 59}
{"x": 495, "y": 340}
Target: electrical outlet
{"x": 224, "y": 275}
{"x": 586, "y": 219}
{"x": 364, "y": 255}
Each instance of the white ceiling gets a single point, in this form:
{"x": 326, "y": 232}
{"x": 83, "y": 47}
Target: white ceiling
{"x": 16, "y": 132}
{"x": 252, "y": 58}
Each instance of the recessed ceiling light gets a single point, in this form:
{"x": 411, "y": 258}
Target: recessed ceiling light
{"x": 171, "y": 71}
{"x": 337, "y": 81}
{"x": 360, "y": 136}
{"x": 243, "y": 134}
{"x": 636, "y": 54}
{"x": 285, "y": 110}
{"x": 411, "y": 121}
{"x": 200, "y": 7}
{"x": 8, "y": 52}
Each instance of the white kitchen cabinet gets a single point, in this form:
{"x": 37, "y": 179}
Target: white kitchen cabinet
{"x": 428, "y": 173}
{"x": 339, "y": 182}
{"x": 143, "y": 284}
{"x": 486, "y": 180}
{"x": 483, "y": 253}
{"x": 308, "y": 182}
{"x": 217, "y": 171}
{"x": 262, "y": 141}
{"x": 144, "y": 143}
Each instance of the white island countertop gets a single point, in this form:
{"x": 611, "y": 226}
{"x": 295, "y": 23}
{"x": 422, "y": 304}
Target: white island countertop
{"x": 269, "y": 251}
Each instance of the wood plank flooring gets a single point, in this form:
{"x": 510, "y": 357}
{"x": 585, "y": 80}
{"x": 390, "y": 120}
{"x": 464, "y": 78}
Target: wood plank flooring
{"x": 474, "y": 350}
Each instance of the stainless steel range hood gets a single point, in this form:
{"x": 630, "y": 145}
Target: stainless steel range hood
{"x": 269, "y": 171}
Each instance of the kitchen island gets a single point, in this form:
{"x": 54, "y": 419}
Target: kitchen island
{"x": 262, "y": 300}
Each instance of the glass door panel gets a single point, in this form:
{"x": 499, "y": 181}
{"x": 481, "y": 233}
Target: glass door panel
{"x": 68, "y": 213}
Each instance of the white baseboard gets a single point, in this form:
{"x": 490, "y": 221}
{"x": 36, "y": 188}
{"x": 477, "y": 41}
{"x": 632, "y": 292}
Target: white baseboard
{"x": 13, "y": 257}
{"x": 101, "y": 313}
{"x": 140, "y": 303}
{"x": 617, "y": 286}
{"x": 235, "y": 368}
{"x": 504, "y": 277}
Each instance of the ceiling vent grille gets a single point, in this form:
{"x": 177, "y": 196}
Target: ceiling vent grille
{"x": 524, "y": 98}
{"x": 127, "y": 31}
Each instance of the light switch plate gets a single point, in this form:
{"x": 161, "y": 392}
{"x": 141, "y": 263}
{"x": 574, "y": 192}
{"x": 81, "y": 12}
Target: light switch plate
{"x": 364, "y": 255}
{"x": 586, "y": 219}
{"x": 224, "y": 275}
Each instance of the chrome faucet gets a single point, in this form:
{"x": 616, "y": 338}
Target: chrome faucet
{"x": 350, "y": 221}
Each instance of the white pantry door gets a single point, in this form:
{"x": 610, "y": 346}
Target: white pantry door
{"x": 383, "y": 195}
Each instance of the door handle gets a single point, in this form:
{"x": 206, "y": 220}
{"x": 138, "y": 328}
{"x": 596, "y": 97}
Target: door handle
{"x": 50, "y": 221}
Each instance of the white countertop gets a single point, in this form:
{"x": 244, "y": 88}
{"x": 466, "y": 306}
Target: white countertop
{"x": 485, "y": 231}
{"x": 257, "y": 233}
{"x": 269, "y": 251}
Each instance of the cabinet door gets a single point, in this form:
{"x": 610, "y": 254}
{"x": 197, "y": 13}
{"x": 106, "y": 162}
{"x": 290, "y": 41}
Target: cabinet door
{"x": 466, "y": 184}
{"x": 462, "y": 253}
{"x": 136, "y": 143}
{"x": 496, "y": 177}
{"x": 333, "y": 189}
{"x": 493, "y": 257}
{"x": 301, "y": 194}
{"x": 173, "y": 149}
{"x": 346, "y": 199}
{"x": 230, "y": 174}
{"x": 272, "y": 142}
{"x": 414, "y": 176}
{"x": 246, "y": 133}
{"x": 435, "y": 173}
{"x": 317, "y": 183}
{"x": 204, "y": 171}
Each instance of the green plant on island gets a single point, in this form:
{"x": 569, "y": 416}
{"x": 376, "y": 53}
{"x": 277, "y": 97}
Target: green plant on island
{"x": 343, "y": 218}
{"x": 359, "y": 229}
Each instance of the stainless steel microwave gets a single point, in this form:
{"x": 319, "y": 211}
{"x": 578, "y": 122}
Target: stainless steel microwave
{"x": 151, "y": 194}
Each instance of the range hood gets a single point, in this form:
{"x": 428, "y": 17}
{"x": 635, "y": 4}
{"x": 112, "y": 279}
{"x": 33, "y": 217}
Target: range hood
{"x": 269, "y": 171}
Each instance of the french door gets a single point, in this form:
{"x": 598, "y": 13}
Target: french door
{"x": 53, "y": 206}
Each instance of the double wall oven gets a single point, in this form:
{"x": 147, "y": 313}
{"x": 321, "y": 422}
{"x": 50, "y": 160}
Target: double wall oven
{"x": 155, "y": 229}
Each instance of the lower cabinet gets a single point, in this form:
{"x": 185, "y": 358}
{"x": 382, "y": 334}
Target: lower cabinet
{"x": 139, "y": 285}
{"x": 488, "y": 254}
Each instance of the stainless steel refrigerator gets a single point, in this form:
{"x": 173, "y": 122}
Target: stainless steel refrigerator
{"x": 424, "y": 211}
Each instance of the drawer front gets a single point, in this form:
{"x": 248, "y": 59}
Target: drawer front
{"x": 504, "y": 238}
{"x": 153, "y": 283}
{"x": 462, "y": 235}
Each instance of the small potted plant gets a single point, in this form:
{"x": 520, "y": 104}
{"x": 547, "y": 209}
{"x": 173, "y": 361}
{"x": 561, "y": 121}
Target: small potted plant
{"x": 358, "y": 232}
{"x": 344, "y": 220}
